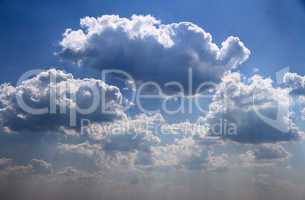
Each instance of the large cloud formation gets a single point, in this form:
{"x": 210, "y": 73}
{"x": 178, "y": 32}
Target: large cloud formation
{"x": 150, "y": 50}
{"x": 138, "y": 151}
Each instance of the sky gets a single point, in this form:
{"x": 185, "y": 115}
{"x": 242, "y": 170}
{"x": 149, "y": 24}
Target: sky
{"x": 218, "y": 109}
{"x": 272, "y": 29}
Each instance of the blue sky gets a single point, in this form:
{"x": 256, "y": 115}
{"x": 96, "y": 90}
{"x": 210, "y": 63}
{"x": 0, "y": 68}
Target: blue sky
{"x": 274, "y": 30}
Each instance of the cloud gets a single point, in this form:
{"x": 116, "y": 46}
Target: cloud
{"x": 251, "y": 110}
{"x": 296, "y": 82}
{"x": 71, "y": 98}
{"x": 104, "y": 145}
{"x": 141, "y": 141}
{"x": 34, "y": 167}
{"x": 69, "y": 171}
{"x": 85, "y": 156}
{"x": 121, "y": 142}
{"x": 5, "y": 162}
{"x": 151, "y": 51}
{"x": 270, "y": 152}
{"x": 127, "y": 134}
{"x": 41, "y": 166}
{"x": 119, "y": 152}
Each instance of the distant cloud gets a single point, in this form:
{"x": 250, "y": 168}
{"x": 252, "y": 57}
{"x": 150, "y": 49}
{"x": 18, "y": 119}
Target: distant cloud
{"x": 13, "y": 170}
{"x": 151, "y": 51}
{"x": 41, "y": 166}
{"x": 270, "y": 152}
{"x": 5, "y": 162}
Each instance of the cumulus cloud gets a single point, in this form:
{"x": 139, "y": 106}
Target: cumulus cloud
{"x": 133, "y": 133}
{"x": 150, "y": 50}
{"x": 121, "y": 142}
{"x": 251, "y": 110}
{"x": 296, "y": 82}
{"x": 53, "y": 98}
{"x": 141, "y": 141}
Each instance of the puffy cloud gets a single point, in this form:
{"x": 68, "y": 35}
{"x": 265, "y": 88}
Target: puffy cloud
{"x": 296, "y": 82}
{"x": 94, "y": 157}
{"x": 148, "y": 141}
{"x": 139, "y": 132}
{"x": 141, "y": 141}
{"x": 150, "y": 50}
{"x": 121, "y": 142}
{"x": 107, "y": 144}
{"x": 251, "y": 110}
{"x": 64, "y": 100}
{"x": 82, "y": 155}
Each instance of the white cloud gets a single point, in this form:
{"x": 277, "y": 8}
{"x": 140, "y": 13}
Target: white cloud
{"x": 94, "y": 157}
{"x": 255, "y": 108}
{"x": 296, "y": 84}
{"x": 82, "y": 155}
{"x": 150, "y": 50}
{"x": 295, "y": 81}
{"x": 70, "y": 95}
{"x": 137, "y": 132}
